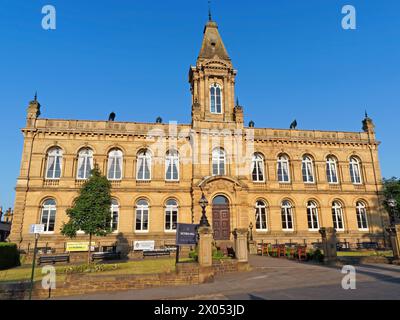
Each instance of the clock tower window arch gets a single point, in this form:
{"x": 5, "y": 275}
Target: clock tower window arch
{"x": 216, "y": 98}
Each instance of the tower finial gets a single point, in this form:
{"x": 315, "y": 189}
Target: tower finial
{"x": 237, "y": 101}
{"x": 209, "y": 11}
{"x": 366, "y": 114}
{"x": 35, "y": 98}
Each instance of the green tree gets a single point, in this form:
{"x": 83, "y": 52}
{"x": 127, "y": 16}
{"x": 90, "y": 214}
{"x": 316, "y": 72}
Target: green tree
{"x": 91, "y": 211}
{"x": 391, "y": 189}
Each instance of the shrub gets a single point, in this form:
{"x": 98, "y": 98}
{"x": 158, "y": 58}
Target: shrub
{"x": 218, "y": 255}
{"x": 194, "y": 255}
{"x": 316, "y": 255}
{"x": 89, "y": 268}
{"x": 9, "y": 256}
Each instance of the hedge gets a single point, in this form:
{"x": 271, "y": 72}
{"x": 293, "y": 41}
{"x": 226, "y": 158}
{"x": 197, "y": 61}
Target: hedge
{"x": 9, "y": 256}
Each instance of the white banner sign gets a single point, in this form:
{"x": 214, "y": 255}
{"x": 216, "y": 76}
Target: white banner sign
{"x": 144, "y": 245}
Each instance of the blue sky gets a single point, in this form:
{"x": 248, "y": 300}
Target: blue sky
{"x": 132, "y": 57}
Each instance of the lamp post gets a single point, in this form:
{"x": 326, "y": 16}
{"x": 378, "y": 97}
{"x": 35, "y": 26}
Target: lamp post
{"x": 203, "y": 204}
{"x": 251, "y": 231}
{"x": 392, "y": 204}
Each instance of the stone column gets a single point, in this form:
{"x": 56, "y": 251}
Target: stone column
{"x": 394, "y": 233}
{"x": 329, "y": 242}
{"x": 241, "y": 250}
{"x": 205, "y": 246}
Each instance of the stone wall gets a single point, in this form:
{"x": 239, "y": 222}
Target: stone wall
{"x": 78, "y": 284}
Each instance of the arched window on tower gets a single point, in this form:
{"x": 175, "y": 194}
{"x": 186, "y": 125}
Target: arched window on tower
{"x": 331, "y": 170}
{"x": 216, "y": 98}
{"x": 312, "y": 216}
{"x": 114, "y": 215}
{"x": 287, "y": 216}
{"x": 142, "y": 216}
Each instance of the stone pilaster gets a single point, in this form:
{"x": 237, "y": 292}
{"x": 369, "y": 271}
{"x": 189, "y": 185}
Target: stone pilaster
{"x": 241, "y": 250}
{"x": 205, "y": 246}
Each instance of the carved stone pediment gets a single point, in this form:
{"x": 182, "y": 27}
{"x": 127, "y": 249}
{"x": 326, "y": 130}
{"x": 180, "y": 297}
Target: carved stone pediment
{"x": 221, "y": 183}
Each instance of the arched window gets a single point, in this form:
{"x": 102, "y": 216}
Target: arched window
{"x": 362, "y": 220}
{"x": 216, "y": 98}
{"x": 144, "y": 166}
{"x": 85, "y": 163}
{"x": 114, "y": 215}
{"x": 142, "y": 216}
{"x": 308, "y": 170}
{"x": 261, "y": 216}
{"x": 283, "y": 169}
{"x": 115, "y": 160}
{"x": 48, "y": 216}
{"x": 172, "y": 166}
{"x": 171, "y": 215}
{"x": 355, "y": 170}
{"x": 287, "y": 216}
{"x": 257, "y": 168}
{"x": 54, "y": 164}
{"x": 312, "y": 216}
{"x": 218, "y": 162}
{"x": 337, "y": 216}
{"x": 331, "y": 170}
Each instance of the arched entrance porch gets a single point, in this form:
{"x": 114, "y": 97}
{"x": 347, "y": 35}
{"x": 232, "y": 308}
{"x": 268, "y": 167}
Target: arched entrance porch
{"x": 221, "y": 218}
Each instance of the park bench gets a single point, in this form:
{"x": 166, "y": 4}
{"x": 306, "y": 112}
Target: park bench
{"x": 53, "y": 259}
{"x": 156, "y": 253}
{"x": 106, "y": 256}
{"x": 343, "y": 246}
{"x": 368, "y": 245}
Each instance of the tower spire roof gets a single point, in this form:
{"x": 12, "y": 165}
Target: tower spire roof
{"x": 212, "y": 45}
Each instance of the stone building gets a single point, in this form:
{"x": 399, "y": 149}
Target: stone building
{"x": 285, "y": 183}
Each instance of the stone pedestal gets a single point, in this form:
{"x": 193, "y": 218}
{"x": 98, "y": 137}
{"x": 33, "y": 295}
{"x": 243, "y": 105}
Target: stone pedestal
{"x": 329, "y": 242}
{"x": 240, "y": 246}
{"x": 205, "y": 246}
{"x": 253, "y": 247}
{"x": 394, "y": 234}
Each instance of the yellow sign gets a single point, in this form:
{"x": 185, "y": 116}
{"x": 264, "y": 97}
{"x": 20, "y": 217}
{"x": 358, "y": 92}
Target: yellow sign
{"x": 78, "y": 246}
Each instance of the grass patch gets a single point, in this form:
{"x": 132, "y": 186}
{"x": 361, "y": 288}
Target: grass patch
{"x": 370, "y": 253}
{"x": 124, "y": 268}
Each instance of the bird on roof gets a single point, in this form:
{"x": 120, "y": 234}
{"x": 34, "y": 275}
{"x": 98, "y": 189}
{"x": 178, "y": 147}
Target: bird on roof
{"x": 293, "y": 126}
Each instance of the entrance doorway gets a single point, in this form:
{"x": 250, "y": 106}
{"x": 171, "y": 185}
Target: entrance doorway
{"x": 221, "y": 218}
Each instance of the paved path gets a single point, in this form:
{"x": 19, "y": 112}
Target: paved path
{"x": 273, "y": 279}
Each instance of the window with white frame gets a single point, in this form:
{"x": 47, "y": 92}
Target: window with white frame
{"x": 114, "y": 215}
{"x": 218, "y": 162}
{"x": 362, "y": 220}
{"x": 257, "y": 168}
{"x": 331, "y": 170}
{"x": 283, "y": 169}
{"x": 85, "y": 164}
{"x": 54, "y": 164}
{"x": 337, "y": 216}
{"x": 312, "y": 216}
{"x": 287, "y": 216}
{"x": 308, "y": 170}
{"x": 172, "y": 166}
{"x": 355, "y": 171}
{"x": 48, "y": 215}
{"x": 142, "y": 216}
{"x": 115, "y": 160}
{"x": 216, "y": 98}
{"x": 144, "y": 160}
{"x": 261, "y": 216}
{"x": 171, "y": 215}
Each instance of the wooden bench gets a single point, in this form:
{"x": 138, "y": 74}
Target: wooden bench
{"x": 106, "y": 256}
{"x": 368, "y": 245}
{"x": 157, "y": 253}
{"x": 53, "y": 259}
